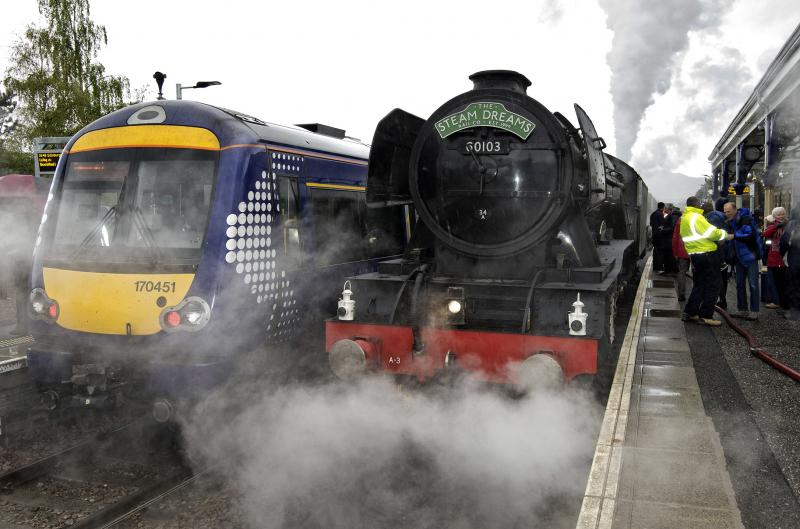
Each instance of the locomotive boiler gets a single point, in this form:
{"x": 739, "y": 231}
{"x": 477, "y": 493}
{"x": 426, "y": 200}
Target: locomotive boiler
{"x": 526, "y": 233}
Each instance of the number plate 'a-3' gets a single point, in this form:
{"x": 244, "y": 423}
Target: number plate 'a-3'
{"x": 485, "y": 114}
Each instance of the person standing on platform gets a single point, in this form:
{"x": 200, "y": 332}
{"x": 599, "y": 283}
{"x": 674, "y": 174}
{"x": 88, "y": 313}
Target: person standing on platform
{"x": 790, "y": 247}
{"x": 700, "y": 238}
{"x": 682, "y": 258}
{"x": 776, "y": 268}
{"x": 728, "y": 252}
{"x": 656, "y": 222}
{"x": 747, "y": 245}
{"x": 668, "y": 226}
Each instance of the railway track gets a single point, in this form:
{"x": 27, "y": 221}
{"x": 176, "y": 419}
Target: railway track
{"x": 97, "y": 483}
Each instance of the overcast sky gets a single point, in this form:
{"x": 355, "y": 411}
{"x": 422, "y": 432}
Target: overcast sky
{"x": 677, "y": 70}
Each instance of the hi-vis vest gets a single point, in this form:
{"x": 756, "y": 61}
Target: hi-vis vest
{"x": 698, "y": 235}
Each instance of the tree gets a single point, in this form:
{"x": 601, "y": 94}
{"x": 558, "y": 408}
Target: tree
{"x": 7, "y": 121}
{"x": 705, "y": 191}
{"x": 55, "y": 78}
{"x": 10, "y": 161}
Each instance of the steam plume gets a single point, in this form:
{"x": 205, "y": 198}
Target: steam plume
{"x": 648, "y": 38}
{"x": 371, "y": 456}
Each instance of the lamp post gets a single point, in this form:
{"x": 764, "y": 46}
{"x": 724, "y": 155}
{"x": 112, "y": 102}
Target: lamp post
{"x": 200, "y": 84}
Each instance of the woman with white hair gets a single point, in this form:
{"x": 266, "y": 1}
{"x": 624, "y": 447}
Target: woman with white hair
{"x": 775, "y": 266}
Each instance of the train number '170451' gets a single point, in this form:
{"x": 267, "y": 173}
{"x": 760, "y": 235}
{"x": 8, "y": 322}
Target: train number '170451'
{"x": 154, "y": 286}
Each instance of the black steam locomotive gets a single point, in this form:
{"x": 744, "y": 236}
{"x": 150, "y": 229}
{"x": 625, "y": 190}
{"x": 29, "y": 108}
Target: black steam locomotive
{"x": 526, "y": 234}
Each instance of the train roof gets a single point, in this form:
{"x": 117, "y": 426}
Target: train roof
{"x": 230, "y": 126}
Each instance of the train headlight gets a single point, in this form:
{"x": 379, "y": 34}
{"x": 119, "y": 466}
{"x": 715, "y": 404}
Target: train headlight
{"x": 191, "y": 314}
{"x": 42, "y": 307}
{"x": 456, "y": 315}
{"x": 38, "y": 306}
{"x": 194, "y": 313}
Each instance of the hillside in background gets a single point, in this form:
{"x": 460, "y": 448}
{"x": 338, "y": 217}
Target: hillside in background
{"x": 672, "y": 187}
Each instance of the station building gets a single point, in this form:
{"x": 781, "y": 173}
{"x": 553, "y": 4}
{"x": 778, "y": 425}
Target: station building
{"x": 757, "y": 159}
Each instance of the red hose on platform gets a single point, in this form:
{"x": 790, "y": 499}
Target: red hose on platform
{"x": 758, "y": 352}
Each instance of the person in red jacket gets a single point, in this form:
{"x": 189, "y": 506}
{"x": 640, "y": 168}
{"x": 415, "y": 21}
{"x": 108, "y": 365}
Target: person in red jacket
{"x": 776, "y": 268}
{"x": 681, "y": 256}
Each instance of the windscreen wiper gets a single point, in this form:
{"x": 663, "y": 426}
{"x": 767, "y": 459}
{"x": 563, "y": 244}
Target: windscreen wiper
{"x": 114, "y": 211}
{"x": 147, "y": 234}
{"x": 111, "y": 213}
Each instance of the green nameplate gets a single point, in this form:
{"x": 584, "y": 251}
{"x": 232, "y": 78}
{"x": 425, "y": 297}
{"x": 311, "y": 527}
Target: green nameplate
{"x": 492, "y": 115}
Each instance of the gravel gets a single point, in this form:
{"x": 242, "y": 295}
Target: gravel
{"x": 43, "y": 437}
{"x": 773, "y": 397}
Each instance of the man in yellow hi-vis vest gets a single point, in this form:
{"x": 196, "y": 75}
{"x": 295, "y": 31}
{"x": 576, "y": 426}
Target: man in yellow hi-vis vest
{"x": 700, "y": 239}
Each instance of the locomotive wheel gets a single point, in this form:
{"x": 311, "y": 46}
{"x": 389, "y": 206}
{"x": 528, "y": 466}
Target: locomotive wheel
{"x": 540, "y": 372}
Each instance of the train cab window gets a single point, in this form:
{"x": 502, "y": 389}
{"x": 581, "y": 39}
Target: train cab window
{"x": 173, "y": 199}
{"x": 115, "y": 202}
{"x": 90, "y": 190}
{"x": 290, "y": 208}
{"x": 338, "y": 225}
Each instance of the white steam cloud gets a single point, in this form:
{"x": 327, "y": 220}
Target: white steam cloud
{"x": 648, "y": 40}
{"x": 370, "y": 455}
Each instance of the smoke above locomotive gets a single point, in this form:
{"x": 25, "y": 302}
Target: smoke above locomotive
{"x": 526, "y": 234}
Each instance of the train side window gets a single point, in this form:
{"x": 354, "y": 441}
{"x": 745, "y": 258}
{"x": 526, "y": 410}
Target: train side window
{"x": 338, "y": 225}
{"x": 386, "y": 231}
{"x": 290, "y": 201}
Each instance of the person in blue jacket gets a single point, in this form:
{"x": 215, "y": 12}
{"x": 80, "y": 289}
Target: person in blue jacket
{"x": 747, "y": 246}
{"x": 716, "y": 218}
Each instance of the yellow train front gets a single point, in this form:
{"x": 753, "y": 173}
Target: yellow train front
{"x": 173, "y": 242}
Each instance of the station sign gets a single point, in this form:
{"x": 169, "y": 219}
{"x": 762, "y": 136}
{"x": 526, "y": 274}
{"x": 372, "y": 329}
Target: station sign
{"x": 47, "y": 161}
{"x": 46, "y": 154}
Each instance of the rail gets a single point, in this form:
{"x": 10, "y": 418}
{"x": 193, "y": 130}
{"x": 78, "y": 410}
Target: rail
{"x": 121, "y": 509}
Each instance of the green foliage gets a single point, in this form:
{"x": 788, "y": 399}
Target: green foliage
{"x": 11, "y": 161}
{"x": 55, "y": 77}
{"x": 15, "y": 162}
{"x": 7, "y": 121}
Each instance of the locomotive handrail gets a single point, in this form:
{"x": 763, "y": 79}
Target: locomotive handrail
{"x": 599, "y": 143}
{"x": 402, "y": 290}
{"x": 526, "y": 317}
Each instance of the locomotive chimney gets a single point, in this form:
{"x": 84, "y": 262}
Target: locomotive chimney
{"x": 504, "y": 79}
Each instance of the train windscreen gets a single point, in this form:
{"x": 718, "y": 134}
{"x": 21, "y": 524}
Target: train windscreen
{"x": 144, "y": 201}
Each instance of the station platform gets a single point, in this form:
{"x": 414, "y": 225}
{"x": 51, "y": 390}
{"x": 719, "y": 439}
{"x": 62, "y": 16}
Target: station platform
{"x": 658, "y": 462}
{"x": 12, "y": 347}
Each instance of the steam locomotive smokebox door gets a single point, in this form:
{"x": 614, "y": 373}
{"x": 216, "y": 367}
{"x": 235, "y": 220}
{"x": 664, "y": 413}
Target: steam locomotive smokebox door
{"x": 490, "y": 172}
{"x": 594, "y": 153}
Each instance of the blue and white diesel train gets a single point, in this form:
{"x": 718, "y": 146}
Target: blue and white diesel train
{"x": 178, "y": 236}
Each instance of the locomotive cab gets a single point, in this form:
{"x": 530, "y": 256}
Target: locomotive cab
{"x": 134, "y": 219}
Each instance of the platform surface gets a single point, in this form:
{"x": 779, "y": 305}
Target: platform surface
{"x": 658, "y": 461}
